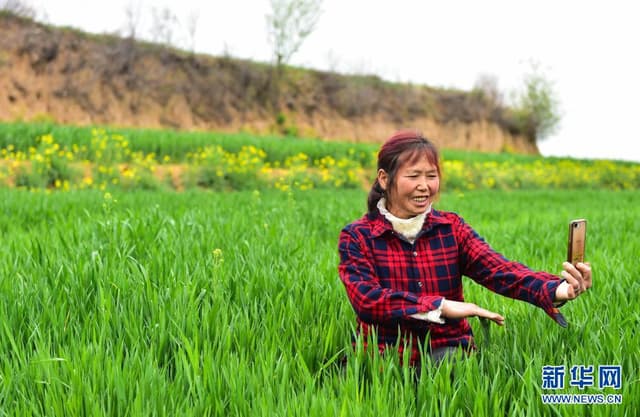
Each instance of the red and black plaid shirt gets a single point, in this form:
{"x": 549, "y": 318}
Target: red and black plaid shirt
{"x": 387, "y": 279}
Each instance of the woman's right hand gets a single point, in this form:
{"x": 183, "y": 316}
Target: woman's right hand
{"x": 459, "y": 310}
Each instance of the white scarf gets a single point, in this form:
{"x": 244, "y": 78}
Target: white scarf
{"x": 409, "y": 228}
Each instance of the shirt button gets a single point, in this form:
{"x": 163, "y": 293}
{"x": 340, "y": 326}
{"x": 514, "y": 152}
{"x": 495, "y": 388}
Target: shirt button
{"x": 420, "y": 284}
{"x": 415, "y": 254}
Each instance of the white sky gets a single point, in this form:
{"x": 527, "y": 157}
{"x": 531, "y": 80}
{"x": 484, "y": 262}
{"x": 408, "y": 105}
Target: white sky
{"x": 588, "y": 49}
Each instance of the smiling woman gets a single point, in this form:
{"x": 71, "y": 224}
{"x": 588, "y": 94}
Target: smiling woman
{"x": 413, "y": 177}
{"x": 402, "y": 263}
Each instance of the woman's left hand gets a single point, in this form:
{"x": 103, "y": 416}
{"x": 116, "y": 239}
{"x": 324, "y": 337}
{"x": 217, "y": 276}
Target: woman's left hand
{"x": 578, "y": 280}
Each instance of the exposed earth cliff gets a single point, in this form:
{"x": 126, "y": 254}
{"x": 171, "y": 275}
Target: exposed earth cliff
{"x": 66, "y": 76}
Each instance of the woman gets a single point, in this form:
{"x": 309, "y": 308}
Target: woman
{"x": 402, "y": 263}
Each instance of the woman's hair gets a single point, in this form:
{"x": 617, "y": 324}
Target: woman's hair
{"x": 404, "y": 146}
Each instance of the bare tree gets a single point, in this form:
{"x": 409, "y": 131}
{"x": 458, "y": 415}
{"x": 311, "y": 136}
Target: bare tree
{"x": 289, "y": 24}
{"x": 163, "y": 22}
{"x": 18, "y": 7}
{"x": 192, "y": 28}
{"x": 487, "y": 86}
{"x": 132, "y": 22}
{"x": 333, "y": 61}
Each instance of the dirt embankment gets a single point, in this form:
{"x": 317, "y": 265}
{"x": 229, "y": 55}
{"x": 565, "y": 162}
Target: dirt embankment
{"x": 49, "y": 73}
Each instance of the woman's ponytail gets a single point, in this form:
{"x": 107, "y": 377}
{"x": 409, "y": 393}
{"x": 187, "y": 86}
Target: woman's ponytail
{"x": 375, "y": 194}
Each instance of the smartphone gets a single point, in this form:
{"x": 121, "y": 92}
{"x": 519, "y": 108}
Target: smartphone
{"x": 577, "y": 237}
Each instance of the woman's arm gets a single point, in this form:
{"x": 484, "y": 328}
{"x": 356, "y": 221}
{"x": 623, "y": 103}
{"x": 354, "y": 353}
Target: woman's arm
{"x": 512, "y": 279}
{"x": 459, "y": 310}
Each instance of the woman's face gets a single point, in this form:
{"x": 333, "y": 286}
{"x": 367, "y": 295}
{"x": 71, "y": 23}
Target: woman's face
{"x": 416, "y": 186}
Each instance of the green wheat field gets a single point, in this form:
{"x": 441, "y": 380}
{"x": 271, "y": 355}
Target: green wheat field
{"x": 151, "y": 303}
{"x": 135, "y": 302}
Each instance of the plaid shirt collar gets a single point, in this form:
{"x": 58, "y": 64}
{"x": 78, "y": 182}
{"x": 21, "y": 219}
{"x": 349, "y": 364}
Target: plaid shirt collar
{"x": 380, "y": 225}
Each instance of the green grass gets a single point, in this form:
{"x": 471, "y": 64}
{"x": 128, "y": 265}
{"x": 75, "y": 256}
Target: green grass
{"x": 177, "y": 144}
{"x": 154, "y": 303}
{"x": 68, "y": 157}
